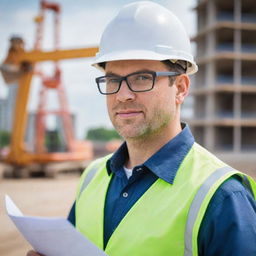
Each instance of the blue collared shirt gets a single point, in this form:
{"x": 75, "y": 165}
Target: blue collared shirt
{"x": 227, "y": 229}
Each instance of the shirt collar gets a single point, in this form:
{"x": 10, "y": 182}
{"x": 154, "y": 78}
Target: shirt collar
{"x": 165, "y": 162}
{"x": 118, "y": 159}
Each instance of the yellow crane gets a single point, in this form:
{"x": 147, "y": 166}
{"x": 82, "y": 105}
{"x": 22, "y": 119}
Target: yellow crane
{"x": 19, "y": 66}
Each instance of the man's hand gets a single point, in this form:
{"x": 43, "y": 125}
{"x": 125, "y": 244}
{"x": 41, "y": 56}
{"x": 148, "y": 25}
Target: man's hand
{"x": 33, "y": 253}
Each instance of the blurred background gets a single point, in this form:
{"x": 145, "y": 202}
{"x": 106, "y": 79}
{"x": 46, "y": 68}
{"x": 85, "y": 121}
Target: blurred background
{"x": 53, "y": 121}
{"x": 81, "y": 25}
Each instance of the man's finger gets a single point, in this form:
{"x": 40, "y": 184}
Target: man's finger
{"x": 33, "y": 253}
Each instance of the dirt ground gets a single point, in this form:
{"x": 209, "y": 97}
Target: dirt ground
{"x": 36, "y": 197}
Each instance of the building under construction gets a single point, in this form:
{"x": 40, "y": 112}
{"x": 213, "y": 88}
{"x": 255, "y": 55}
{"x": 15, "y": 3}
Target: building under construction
{"x": 224, "y": 89}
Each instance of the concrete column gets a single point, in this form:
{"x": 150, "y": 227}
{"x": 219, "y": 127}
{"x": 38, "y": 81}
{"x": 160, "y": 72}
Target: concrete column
{"x": 237, "y": 139}
{"x": 237, "y": 77}
{"x": 237, "y": 41}
{"x": 209, "y": 138}
{"x": 238, "y": 10}
{"x": 210, "y": 75}
{"x": 210, "y": 43}
{"x": 237, "y": 32}
{"x": 210, "y": 21}
{"x": 237, "y": 105}
{"x": 237, "y": 72}
{"x": 211, "y": 12}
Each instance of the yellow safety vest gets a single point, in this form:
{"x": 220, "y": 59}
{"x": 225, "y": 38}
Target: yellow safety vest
{"x": 167, "y": 217}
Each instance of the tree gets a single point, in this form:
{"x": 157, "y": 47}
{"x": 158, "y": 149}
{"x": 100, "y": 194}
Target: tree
{"x": 102, "y": 134}
{"x": 5, "y": 138}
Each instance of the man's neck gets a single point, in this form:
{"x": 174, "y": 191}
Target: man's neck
{"x": 141, "y": 149}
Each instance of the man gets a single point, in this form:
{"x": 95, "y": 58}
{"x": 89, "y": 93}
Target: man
{"x": 160, "y": 193}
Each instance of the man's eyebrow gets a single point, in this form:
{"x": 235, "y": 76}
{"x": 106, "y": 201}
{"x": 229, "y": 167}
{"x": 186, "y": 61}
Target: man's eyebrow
{"x": 111, "y": 74}
{"x": 138, "y": 71}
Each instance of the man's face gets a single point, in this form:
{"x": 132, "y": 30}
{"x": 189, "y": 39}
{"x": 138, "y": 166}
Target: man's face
{"x": 142, "y": 114}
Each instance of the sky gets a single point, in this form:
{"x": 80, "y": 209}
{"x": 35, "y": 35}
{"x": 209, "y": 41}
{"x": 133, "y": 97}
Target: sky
{"x": 82, "y": 23}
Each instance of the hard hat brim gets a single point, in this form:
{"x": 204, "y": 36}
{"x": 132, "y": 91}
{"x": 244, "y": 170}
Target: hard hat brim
{"x": 141, "y": 55}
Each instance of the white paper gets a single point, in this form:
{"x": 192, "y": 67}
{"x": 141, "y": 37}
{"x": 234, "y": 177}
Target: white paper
{"x": 51, "y": 236}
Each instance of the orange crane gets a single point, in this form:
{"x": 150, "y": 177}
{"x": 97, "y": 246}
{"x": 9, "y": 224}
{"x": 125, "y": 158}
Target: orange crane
{"x": 20, "y": 66}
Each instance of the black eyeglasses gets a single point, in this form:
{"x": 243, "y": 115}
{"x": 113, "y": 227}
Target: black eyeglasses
{"x": 137, "y": 82}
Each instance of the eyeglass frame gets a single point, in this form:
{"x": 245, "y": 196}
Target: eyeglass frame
{"x": 124, "y": 78}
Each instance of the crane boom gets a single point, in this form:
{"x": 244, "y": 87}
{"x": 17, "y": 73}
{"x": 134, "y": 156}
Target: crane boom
{"x": 37, "y": 55}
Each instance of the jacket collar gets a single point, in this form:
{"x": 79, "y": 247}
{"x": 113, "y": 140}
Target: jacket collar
{"x": 165, "y": 162}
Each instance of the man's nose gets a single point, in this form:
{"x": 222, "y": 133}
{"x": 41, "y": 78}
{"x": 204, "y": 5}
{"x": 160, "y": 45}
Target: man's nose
{"x": 124, "y": 93}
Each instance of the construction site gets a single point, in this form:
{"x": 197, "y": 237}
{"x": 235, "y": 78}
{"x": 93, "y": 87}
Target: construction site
{"x": 41, "y": 166}
{"x": 34, "y": 148}
{"x": 39, "y": 160}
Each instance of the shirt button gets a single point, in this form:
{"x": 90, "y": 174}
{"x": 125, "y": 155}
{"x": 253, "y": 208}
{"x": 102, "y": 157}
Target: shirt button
{"x": 125, "y": 194}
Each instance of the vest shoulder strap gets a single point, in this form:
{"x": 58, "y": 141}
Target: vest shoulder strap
{"x": 195, "y": 208}
{"x": 91, "y": 173}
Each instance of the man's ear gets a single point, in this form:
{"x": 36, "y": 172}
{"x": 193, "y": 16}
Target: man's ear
{"x": 182, "y": 83}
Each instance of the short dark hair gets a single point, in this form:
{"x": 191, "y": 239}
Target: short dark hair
{"x": 179, "y": 66}
{"x": 102, "y": 64}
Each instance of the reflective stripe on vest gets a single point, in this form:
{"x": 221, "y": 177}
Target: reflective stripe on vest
{"x": 196, "y": 204}
{"x": 89, "y": 177}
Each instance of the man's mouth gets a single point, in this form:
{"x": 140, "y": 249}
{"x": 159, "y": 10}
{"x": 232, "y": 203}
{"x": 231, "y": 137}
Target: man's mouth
{"x": 128, "y": 113}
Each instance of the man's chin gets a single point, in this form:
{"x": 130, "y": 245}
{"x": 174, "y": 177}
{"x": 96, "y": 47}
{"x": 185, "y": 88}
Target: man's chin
{"x": 131, "y": 133}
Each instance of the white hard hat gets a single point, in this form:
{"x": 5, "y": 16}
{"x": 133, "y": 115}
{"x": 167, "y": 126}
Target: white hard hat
{"x": 147, "y": 31}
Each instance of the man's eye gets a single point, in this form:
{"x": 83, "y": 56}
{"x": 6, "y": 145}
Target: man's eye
{"x": 113, "y": 80}
{"x": 143, "y": 77}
